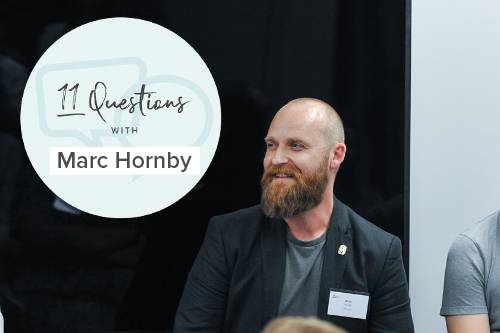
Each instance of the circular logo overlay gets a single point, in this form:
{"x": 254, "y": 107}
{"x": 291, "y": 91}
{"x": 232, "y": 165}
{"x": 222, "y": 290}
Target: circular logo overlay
{"x": 120, "y": 117}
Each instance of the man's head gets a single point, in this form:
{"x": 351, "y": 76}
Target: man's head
{"x": 300, "y": 325}
{"x": 305, "y": 147}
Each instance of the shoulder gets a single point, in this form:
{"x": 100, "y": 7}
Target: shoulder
{"x": 479, "y": 240}
{"x": 482, "y": 233}
{"x": 238, "y": 232}
{"x": 377, "y": 256}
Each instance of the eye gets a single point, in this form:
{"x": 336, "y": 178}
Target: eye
{"x": 270, "y": 145}
{"x": 297, "y": 146}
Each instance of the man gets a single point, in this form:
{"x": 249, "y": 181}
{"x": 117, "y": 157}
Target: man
{"x": 302, "y": 251}
{"x": 471, "y": 296}
{"x": 300, "y": 325}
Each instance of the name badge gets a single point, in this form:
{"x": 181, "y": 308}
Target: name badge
{"x": 348, "y": 304}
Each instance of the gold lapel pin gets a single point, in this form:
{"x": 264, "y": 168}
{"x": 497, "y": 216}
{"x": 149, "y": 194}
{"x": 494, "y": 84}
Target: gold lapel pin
{"x": 342, "y": 250}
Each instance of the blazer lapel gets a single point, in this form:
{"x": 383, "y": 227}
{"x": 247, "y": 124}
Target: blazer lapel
{"x": 334, "y": 263}
{"x": 273, "y": 245}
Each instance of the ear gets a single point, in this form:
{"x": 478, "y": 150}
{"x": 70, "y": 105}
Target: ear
{"x": 338, "y": 155}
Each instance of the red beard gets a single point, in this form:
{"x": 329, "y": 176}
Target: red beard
{"x": 295, "y": 194}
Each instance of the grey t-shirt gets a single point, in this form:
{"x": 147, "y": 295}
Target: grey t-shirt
{"x": 472, "y": 278}
{"x": 304, "y": 262}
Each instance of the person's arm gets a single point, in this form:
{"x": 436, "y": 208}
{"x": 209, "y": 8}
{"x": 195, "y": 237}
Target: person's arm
{"x": 203, "y": 304}
{"x": 464, "y": 303}
{"x": 390, "y": 306}
{"x": 468, "y": 324}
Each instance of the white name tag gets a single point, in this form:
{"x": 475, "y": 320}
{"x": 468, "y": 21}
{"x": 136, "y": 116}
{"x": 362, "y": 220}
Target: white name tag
{"x": 345, "y": 304}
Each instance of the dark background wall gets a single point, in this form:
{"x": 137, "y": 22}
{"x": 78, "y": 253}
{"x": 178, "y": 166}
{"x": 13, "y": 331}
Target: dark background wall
{"x": 262, "y": 54}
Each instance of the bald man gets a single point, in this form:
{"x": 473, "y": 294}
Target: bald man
{"x": 301, "y": 252}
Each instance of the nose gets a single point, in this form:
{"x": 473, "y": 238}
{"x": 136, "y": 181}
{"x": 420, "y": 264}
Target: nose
{"x": 279, "y": 157}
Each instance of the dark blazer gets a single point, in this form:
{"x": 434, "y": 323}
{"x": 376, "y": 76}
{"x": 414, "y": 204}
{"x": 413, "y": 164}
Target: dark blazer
{"x": 236, "y": 280}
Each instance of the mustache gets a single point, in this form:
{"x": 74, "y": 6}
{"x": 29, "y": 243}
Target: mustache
{"x": 287, "y": 169}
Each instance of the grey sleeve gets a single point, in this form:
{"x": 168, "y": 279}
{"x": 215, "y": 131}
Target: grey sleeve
{"x": 464, "y": 281}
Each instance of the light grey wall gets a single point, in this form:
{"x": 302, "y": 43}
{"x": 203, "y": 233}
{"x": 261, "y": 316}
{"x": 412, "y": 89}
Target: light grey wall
{"x": 455, "y": 137}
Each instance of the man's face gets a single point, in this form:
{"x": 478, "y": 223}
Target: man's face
{"x": 297, "y": 163}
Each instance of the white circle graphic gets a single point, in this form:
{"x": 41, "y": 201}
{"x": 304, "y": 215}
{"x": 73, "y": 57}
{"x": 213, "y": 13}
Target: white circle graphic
{"x": 120, "y": 117}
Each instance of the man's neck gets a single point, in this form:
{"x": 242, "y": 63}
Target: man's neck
{"x": 313, "y": 223}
